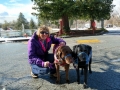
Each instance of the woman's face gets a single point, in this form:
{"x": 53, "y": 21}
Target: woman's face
{"x": 44, "y": 34}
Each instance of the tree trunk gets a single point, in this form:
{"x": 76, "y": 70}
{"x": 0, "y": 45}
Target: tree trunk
{"x": 66, "y": 27}
{"x": 90, "y": 23}
{"x": 76, "y": 24}
{"x": 93, "y": 25}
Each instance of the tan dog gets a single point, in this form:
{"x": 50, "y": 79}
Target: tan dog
{"x": 63, "y": 57}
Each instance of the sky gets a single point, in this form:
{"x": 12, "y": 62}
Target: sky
{"x": 117, "y": 6}
{"x": 10, "y": 9}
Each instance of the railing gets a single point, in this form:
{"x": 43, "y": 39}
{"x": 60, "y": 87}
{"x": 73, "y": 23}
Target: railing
{"x": 21, "y": 33}
{"x": 16, "y": 33}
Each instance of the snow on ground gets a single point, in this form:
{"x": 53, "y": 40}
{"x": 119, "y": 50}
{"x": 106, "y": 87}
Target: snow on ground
{"x": 2, "y": 39}
{"x": 109, "y": 29}
{"x": 114, "y": 29}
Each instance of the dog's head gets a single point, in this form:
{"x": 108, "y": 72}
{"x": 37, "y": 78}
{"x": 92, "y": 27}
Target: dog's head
{"x": 81, "y": 48}
{"x": 80, "y": 53}
{"x": 64, "y": 53}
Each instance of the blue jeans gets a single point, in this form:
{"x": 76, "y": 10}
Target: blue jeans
{"x": 42, "y": 70}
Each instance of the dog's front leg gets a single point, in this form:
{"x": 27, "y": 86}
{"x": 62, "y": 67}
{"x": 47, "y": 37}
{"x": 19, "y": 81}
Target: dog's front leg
{"x": 67, "y": 73}
{"x": 78, "y": 75}
{"x": 58, "y": 73}
{"x": 85, "y": 77}
{"x": 90, "y": 71}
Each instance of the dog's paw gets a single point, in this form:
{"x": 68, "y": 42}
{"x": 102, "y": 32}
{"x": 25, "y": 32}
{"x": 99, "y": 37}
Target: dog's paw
{"x": 68, "y": 81}
{"x": 85, "y": 86}
{"x": 75, "y": 65}
{"x": 78, "y": 81}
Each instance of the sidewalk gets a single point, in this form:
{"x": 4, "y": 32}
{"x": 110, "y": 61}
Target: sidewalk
{"x": 15, "y": 71}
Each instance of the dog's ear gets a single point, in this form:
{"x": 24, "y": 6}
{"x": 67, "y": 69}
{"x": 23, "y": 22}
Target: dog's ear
{"x": 68, "y": 49}
{"x": 75, "y": 49}
{"x": 73, "y": 54}
{"x": 58, "y": 54}
{"x": 79, "y": 48}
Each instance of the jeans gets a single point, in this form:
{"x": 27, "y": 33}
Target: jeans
{"x": 45, "y": 70}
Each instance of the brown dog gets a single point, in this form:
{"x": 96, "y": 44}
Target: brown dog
{"x": 63, "y": 57}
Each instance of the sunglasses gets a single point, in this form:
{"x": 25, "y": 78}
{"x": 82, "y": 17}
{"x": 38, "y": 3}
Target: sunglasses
{"x": 44, "y": 32}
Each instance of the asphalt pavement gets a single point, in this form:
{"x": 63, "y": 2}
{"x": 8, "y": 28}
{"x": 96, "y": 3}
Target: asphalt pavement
{"x": 15, "y": 70}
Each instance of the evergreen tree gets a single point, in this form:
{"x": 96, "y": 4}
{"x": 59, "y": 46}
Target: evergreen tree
{"x": 0, "y": 25}
{"x": 5, "y": 25}
{"x": 12, "y": 24}
{"x": 32, "y": 24}
{"x": 21, "y": 20}
{"x": 72, "y": 9}
{"x": 39, "y": 22}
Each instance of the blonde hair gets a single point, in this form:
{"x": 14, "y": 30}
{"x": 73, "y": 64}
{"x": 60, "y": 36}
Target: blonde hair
{"x": 43, "y": 28}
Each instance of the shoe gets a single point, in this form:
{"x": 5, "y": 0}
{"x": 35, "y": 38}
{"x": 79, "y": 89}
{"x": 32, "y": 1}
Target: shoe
{"x": 34, "y": 75}
{"x": 53, "y": 75}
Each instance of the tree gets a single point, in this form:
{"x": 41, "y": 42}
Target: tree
{"x": 39, "y": 22}
{"x": 5, "y": 25}
{"x": 0, "y": 25}
{"x": 54, "y": 10}
{"x": 32, "y": 24}
{"x": 21, "y": 20}
{"x": 97, "y": 9}
{"x": 72, "y": 9}
{"x": 12, "y": 24}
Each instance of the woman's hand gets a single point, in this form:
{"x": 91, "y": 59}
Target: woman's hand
{"x": 46, "y": 64}
{"x": 62, "y": 44}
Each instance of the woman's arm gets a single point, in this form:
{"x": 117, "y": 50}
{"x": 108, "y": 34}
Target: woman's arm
{"x": 57, "y": 40}
{"x": 32, "y": 55}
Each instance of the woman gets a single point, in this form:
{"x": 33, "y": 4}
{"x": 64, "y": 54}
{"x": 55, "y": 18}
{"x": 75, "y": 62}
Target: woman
{"x": 40, "y": 60}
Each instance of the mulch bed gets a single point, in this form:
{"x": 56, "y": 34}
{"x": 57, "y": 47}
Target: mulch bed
{"x": 77, "y": 33}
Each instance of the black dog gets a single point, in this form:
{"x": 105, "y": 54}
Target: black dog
{"x": 82, "y": 54}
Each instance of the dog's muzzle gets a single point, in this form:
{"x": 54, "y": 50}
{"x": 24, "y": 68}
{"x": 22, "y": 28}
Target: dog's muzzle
{"x": 68, "y": 55}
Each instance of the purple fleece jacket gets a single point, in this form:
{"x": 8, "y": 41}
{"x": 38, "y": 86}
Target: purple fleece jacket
{"x": 36, "y": 53}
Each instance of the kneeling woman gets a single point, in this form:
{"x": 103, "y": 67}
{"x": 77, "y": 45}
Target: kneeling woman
{"x": 42, "y": 62}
